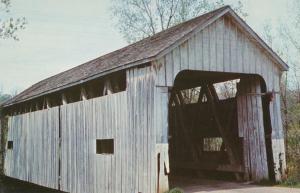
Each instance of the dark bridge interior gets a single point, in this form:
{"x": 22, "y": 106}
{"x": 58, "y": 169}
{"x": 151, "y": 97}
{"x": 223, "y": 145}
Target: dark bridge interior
{"x": 203, "y": 127}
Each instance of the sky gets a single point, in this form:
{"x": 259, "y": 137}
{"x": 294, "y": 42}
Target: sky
{"x": 61, "y": 34}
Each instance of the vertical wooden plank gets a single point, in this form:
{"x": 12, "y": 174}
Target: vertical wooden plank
{"x": 199, "y": 51}
{"x": 206, "y": 48}
{"x": 169, "y": 69}
{"x": 219, "y": 42}
{"x": 161, "y": 68}
{"x": 247, "y": 56}
{"x": 251, "y": 59}
{"x": 192, "y": 52}
{"x": 239, "y": 51}
{"x": 184, "y": 59}
{"x": 226, "y": 44}
{"x": 212, "y": 47}
{"x": 176, "y": 62}
{"x": 233, "y": 47}
{"x": 260, "y": 124}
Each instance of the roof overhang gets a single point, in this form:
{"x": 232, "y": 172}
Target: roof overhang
{"x": 227, "y": 11}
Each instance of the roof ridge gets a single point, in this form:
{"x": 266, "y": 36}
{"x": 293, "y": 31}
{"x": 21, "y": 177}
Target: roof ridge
{"x": 140, "y": 52}
{"x": 38, "y": 84}
{"x": 188, "y": 21}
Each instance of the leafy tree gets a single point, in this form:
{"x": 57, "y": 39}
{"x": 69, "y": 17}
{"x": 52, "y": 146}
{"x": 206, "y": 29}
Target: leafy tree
{"x": 137, "y": 19}
{"x": 9, "y": 26}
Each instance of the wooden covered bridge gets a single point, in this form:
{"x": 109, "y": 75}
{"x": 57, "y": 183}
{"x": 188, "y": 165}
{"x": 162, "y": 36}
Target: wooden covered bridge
{"x": 127, "y": 121}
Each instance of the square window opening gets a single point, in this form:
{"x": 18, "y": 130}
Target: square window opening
{"x": 105, "y": 146}
{"x": 10, "y": 145}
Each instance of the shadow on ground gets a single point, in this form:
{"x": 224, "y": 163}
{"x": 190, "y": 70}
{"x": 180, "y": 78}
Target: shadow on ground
{"x": 8, "y": 185}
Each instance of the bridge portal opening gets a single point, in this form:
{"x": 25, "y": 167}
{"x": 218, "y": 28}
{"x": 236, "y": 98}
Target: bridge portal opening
{"x": 204, "y": 139}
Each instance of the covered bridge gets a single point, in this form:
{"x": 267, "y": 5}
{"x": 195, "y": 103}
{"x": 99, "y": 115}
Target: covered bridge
{"x": 138, "y": 119}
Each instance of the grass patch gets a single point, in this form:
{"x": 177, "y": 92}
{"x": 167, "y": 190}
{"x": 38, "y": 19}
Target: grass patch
{"x": 291, "y": 183}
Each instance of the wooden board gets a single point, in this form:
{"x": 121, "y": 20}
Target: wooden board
{"x": 251, "y": 128}
{"x": 84, "y": 122}
{"x": 34, "y": 157}
{"x": 221, "y": 47}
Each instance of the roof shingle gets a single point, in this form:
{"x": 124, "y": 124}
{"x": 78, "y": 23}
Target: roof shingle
{"x": 141, "y": 50}
{"x": 137, "y": 53}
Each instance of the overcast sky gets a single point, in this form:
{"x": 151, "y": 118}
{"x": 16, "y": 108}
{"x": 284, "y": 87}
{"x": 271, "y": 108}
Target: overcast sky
{"x": 65, "y": 33}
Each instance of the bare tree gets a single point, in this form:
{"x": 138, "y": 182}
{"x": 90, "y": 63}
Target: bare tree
{"x": 285, "y": 40}
{"x": 289, "y": 37}
{"x": 3, "y": 96}
{"x": 137, "y": 19}
{"x": 9, "y": 26}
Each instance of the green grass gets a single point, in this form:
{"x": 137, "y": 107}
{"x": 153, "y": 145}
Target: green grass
{"x": 291, "y": 183}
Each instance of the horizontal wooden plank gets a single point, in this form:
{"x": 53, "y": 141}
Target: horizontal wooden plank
{"x": 209, "y": 167}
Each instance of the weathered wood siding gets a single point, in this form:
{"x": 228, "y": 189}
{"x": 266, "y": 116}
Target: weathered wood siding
{"x": 144, "y": 111}
{"x": 128, "y": 118}
{"x": 134, "y": 120}
{"x": 161, "y": 121}
{"x": 251, "y": 128}
{"x": 84, "y": 171}
{"x": 34, "y": 157}
{"x": 223, "y": 47}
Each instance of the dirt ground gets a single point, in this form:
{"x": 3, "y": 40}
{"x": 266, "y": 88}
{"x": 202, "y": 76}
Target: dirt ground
{"x": 8, "y": 185}
{"x": 214, "y": 186}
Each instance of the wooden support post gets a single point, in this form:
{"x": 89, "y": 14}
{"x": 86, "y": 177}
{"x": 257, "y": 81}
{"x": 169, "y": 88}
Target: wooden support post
{"x": 251, "y": 129}
{"x": 26, "y": 108}
{"x": 201, "y": 140}
{"x": 201, "y": 95}
{"x": 48, "y": 103}
{"x": 107, "y": 89}
{"x": 64, "y": 99}
{"x": 30, "y": 107}
{"x": 83, "y": 94}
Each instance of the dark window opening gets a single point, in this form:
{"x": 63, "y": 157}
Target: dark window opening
{"x": 10, "y": 145}
{"x": 105, "y": 146}
{"x": 110, "y": 84}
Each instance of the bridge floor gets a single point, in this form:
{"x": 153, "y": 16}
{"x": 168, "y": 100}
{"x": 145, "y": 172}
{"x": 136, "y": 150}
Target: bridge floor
{"x": 215, "y": 186}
